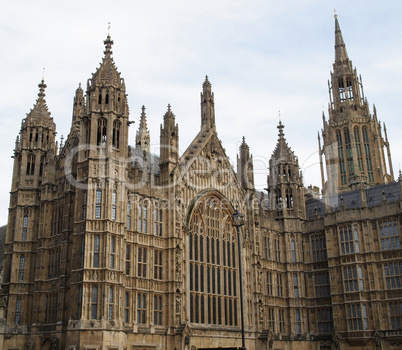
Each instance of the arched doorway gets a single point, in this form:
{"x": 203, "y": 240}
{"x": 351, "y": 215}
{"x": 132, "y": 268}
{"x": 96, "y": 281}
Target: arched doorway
{"x": 50, "y": 344}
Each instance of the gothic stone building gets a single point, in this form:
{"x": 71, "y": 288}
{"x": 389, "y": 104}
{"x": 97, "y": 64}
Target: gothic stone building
{"x": 109, "y": 246}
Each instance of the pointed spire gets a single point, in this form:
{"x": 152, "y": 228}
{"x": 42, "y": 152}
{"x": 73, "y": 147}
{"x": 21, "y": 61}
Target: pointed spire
{"x": 143, "y": 119}
{"x": 340, "y": 49}
{"x": 142, "y": 138}
{"x": 244, "y": 145}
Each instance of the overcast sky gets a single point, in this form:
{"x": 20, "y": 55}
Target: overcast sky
{"x": 261, "y": 56}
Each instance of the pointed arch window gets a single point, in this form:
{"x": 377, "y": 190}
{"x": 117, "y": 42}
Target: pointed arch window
{"x": 289, "y": 198}
{"x": 341, "y": 86}
{"x": 367, "y": 154}
{"x": 358, "y": 149}
{"x": 116, "y": 134}
{"x": 102, "y": 132}
{"x": 25, "y": 227}
{"x": 349, "y": 88}
{"x": 107, "y": 99}
{"x": 349, "y": 156}
{"x": 30, "y": 164}
{"x": 87, "y": 127}
{"x": 100, "y": 99}
{"x": 341, "y": 157}
{"x": 213, "y": 287}
{"x": 42, "y": 162}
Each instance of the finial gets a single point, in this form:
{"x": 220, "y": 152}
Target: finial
{"x": 335, "y": 15}
{"x": 43, "y": 75}
{"x": 279, "y": 114}
{"x": 280, "y": 127}
{"x": 169, "y": 110}
{"x": 108, "y": 29}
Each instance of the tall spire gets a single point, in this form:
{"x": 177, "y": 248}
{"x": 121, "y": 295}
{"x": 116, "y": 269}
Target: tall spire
{"x": 340, "y": 49}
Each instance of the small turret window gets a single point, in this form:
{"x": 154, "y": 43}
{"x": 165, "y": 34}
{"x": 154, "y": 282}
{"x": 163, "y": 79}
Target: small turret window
{"x": 341, "y": 90}
{"x": 107, "y": 99}
{"x": 102, "y": 132}
{"x": 25, "y": 228}
{"x": 349, "y": 87}
{"x": 30, "y": 137}
{"x": 116, "y": 134}
{"x": 100, "y": 98}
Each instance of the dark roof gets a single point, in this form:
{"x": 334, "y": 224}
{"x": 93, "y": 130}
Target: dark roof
{"x": 352, "y": 199}
{"x": 137, "y": 155}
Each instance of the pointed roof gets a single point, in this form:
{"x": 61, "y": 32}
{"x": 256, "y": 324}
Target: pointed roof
{"x": 206, "y": 83}
{"x": 107, "y": 72}
{"x": 40, "y": 111}
{"x": 340, "y": 48}
{"x": 282, "y": 150}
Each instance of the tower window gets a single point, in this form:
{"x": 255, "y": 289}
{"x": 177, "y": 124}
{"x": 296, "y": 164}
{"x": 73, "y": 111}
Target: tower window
{"x": 112, "y": 251}
{"x": 102, "y": 132}
{"x": 42, "y": 161}
{"x": 98, "y": 203}
{"x": 94, "y": 303}
{"x": 349, "y": 87}
{"x": 368, "y": 154}
{"x": 21, "y": 268}
{"x": 25, "y": 228}
{"x": 107, "y": 99}
{"x": 18, "y": 311}
{"x": 341, "y": 90}
{"x": 349, "y": 156}
{"x": 30, "y": 165}
{"x": 111, "y": 301}
{"x": 128, "y": 215}
{"x": 141, "y": 308}
{"x": 157, "y": 309}
{"x": 116, "y": 134}
{"x": 389, "y": 235}
{"x": 127, "y": 307}
{"x": 293, "y": 249}
{"x": 114, "y": 200}
{"x": 100, "y": 98}
{"x": 128, "y": 259}
{"x": 96, "y": 251}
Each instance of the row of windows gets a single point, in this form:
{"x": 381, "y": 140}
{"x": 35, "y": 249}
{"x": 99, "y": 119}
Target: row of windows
{"x": 141, "y": 306}
{"x": 101, "y": 135}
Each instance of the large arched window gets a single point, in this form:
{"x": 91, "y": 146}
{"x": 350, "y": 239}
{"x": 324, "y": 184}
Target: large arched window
{"x": 213, "y": 264}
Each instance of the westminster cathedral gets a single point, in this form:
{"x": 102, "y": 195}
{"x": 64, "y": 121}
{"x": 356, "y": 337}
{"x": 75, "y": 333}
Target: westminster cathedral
{"x": 112, "y": 247}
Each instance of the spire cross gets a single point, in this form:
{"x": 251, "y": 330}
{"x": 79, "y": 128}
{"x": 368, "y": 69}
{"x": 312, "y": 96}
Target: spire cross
{"x": 108, "y": 29}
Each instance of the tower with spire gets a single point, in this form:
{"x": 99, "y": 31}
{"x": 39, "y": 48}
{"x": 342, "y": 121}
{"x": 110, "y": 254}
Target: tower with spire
{"x": 352, "y": 137}
{"x": 285, "y": 180}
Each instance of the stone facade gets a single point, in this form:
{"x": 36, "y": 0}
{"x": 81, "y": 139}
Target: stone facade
{"x": 112, "y": 247}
